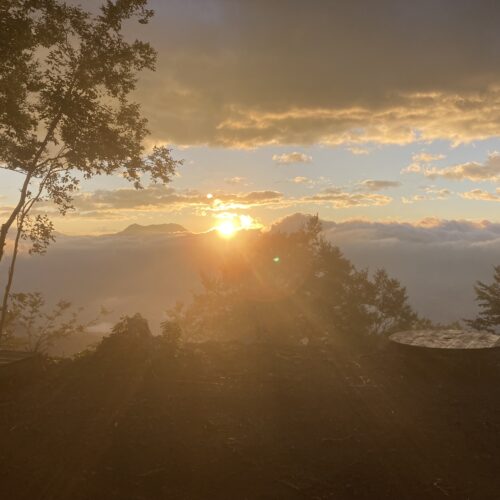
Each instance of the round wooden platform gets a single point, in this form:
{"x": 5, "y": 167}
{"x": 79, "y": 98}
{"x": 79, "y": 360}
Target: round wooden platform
{"x": 447, "y": 339}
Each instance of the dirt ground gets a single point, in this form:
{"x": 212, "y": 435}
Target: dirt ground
{"x": 222, "y": 421}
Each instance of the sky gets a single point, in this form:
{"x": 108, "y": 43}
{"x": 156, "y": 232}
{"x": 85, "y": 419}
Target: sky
{"x": 381, "y": 111}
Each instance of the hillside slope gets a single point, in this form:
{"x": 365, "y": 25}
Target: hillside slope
{"x": 225, "y": 421}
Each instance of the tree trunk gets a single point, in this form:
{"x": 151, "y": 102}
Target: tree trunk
{"x": 10, "y": 279}
{"x": 4, "y": 230}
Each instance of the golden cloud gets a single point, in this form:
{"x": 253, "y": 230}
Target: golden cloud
{"x": 158, "y": 197}
{"x": 431, "y": 193}
{"x": 234, "y": 181}
{"x": 288, "y": 158}
{"x": 424, "y": 157}
{"x": 119, "y": 203}
{"x": 378, "y": 185}
{"x": 473, "y": 171}
{"x": 299, "y": 179}
{"x": 481, "y": 195}
{"x": 341, "y": 199}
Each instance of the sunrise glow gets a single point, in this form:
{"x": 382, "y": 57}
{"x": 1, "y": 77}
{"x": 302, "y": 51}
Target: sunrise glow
{"x": 229, "y": 224}
{"x": 227, "y": 229}
{"x": 249, "y": 249}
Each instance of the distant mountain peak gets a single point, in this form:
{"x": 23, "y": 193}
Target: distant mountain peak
{"x": 138, "y": 229}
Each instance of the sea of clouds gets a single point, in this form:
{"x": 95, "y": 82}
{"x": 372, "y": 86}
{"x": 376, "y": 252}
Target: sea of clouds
{"x": 438, "y": 261}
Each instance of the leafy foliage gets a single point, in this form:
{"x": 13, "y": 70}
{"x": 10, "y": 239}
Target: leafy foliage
{"x": 297, "y": 287}
{"x": 171, "y": 332}
{"x": 66, "y": 75}
{"x": 130, "y": 339}
{"x": 389, "y": 301}
{"x": 39, "y": 231}
{"x": 34, "y": 327}
{"x": 488, "y": 297}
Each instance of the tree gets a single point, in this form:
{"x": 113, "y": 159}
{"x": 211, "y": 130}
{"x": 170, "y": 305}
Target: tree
{"x": 66, "y": 75}
{"x": 36, "y": 328}
{"x": 488, "y": 298}
{"x": 389, "y": 310}
{"x": 39, "y": 230}
{"x": 291, "y": 287}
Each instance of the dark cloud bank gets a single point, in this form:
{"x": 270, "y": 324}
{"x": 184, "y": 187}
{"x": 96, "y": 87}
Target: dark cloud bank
{"x": 248, "y": 73}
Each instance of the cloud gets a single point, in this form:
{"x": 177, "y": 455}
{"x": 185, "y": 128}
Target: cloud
{"x": 341, "y": 199}
{"x": 473, "y": 171}
{"x": 356, "y": 150}
{"x": 301, "y": 180}
{"x": 288, "y": 158}
{"x": 157, "y": 197}
{"x": 234, "y": 181}
{"x": 131, "y": 204}
{"x": 168, "y": 199}
{"x": 424, "y": 157}
{"x": 437, "y": 260}
{"x": 480, "y": 195}
{"x": 432, "y": 193}
{"x": 413, "y": 199}
{"x": 374, "y": 185}
{"x": 427, "y": 230}
{"x": 258, "y": 196}
{"x": 413, "y": 168}
{"x": 247, "y": 74}
{"x": 421, "y": 161}
{"x": 310, "y": 183}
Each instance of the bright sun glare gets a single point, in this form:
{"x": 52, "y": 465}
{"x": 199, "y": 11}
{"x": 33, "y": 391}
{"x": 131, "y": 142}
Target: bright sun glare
{"x": 227, "y": 228}
{"x": 230, "y": 224}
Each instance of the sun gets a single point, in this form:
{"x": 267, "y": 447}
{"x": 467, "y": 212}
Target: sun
{"x": 227, "y": 228}
{"x": 230, "y": 224}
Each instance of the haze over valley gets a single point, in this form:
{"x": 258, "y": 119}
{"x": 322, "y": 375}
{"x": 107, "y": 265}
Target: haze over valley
{"x": 149, "y": 268}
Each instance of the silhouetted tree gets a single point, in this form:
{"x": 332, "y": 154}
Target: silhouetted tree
{"x": 130, "y": 339}
{"x": 488, "y": 298}
{"x": 389, "y": 310}
{"x": 296, "y": 286}
{"x": 31, "y": 325}
{"x": 39, "y": 231}
{"x": 170, "y": 335}
{"x": 66, "y": 75}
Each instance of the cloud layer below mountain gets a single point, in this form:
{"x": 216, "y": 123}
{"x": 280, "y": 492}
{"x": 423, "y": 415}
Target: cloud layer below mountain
{"x": 437, "y": 260}
{"x": 146, "y": 271}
